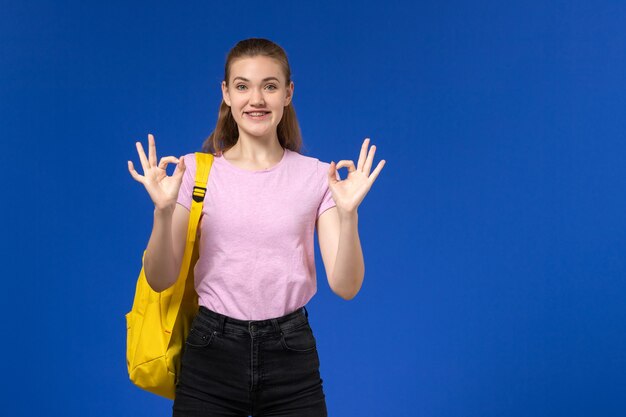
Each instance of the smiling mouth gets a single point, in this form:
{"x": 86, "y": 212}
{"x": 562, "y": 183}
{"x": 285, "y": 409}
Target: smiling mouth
{"x": 257, "y": 115}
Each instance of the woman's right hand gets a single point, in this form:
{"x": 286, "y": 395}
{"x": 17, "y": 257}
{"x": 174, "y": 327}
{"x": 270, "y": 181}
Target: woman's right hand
{"x": 163, "y": 190}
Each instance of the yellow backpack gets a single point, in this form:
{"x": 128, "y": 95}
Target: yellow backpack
{"x": 158, "y": 324}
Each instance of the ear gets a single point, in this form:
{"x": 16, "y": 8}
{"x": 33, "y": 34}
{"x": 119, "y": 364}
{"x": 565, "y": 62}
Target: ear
{"x": 225, "y": 94}
{"x": 289, "y": 95}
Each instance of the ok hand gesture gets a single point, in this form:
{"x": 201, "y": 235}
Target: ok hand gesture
{"x": 349, "y": 193}
{"x": 163, "y": 190}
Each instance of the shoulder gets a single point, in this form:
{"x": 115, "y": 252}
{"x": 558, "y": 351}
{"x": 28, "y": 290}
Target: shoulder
{"x": 310, "y": 163}
{"x": 190, "y": 160}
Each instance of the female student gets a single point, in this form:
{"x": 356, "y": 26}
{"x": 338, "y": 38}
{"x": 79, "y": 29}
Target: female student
{"x": 251, "y": 350}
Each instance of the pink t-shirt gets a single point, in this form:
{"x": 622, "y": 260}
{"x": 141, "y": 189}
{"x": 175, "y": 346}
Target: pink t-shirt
{"x": 256, "y": 247}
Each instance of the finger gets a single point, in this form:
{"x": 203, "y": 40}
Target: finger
{"x": 348, "y": 164}
{"x": 333, "y": 174}
{"x": 152, "y": 155}
{"x": 166, "y": 160}
{"x": 142, "y": 157}
{"x": 379, "y": 168}
{"x": 134, "y": 173}
{"x": 369, "y": 161}
{"x": 363, "y": 154}
{"x": 180, "y": 167}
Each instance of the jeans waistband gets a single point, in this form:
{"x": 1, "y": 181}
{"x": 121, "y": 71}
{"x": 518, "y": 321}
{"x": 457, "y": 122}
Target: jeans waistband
{"x": 274, "y": 325}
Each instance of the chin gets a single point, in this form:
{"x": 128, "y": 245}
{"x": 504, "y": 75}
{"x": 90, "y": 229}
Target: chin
{"x": 260, "y": 132}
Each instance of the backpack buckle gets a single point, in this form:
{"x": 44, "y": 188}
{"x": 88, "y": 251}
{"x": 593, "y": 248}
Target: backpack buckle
{"x": 198, "y": 194}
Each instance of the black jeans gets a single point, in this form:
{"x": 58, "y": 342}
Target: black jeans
{"x": 234, "y": 367}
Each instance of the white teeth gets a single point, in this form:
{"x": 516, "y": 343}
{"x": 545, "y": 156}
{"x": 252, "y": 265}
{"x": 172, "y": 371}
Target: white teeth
{"x": 257, "y": 113}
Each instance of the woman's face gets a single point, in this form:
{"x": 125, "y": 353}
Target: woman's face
{"x": 257, "y": 95}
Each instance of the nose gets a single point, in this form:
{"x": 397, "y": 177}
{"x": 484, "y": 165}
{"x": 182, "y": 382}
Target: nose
{"x": 257, "y": 97}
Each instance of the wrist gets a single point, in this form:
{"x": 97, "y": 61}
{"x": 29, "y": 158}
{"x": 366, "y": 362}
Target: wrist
{"x": 348, "y": 216}
{"x": 167, "y": 211}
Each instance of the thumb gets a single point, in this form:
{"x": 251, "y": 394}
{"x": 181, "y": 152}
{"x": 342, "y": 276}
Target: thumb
{"x": 333, "y": 174}
{"x": 180, "y": 167}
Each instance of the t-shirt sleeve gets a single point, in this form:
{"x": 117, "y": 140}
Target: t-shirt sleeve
{"x": 186, "y": 188}
{"x": 325, "y": 193}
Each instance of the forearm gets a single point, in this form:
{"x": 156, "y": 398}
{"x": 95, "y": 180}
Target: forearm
{"x": 349, "y": 268}
{"x": 159, "y": 263}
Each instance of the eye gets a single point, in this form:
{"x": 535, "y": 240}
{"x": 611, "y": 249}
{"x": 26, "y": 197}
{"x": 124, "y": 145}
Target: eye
{"x": 239, "y": 85}
{"x": 273, "y": 86}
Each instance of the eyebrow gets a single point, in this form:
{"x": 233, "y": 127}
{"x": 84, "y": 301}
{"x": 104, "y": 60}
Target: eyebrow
{"x": 264, "y": 79}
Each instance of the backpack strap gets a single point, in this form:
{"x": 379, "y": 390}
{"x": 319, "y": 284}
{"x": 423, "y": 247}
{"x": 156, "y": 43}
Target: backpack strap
{"x": 204, "y": 161}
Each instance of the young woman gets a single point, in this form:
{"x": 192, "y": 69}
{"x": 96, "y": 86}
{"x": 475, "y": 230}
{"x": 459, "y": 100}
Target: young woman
{"x": 251, "y": 350}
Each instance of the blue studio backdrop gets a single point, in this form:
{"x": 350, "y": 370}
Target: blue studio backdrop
{"x": 494, "y": 238}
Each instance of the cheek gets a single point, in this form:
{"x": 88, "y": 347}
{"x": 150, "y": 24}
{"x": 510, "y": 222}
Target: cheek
{"x": 235, "y": 109}
{"x": 280, "y": 113}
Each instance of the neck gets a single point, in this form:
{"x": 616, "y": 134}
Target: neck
{"x": 256, "y": 149}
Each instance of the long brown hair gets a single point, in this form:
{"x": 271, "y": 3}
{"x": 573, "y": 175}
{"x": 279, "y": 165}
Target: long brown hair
{"x": 226, "y": 134}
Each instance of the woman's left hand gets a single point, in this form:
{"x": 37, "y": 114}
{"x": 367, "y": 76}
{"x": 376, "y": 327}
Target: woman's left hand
{"x": 349, "y": 193}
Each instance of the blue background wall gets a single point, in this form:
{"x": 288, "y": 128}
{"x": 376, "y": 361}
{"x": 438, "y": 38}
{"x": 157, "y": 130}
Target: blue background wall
{"x": 494, "y": 238}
